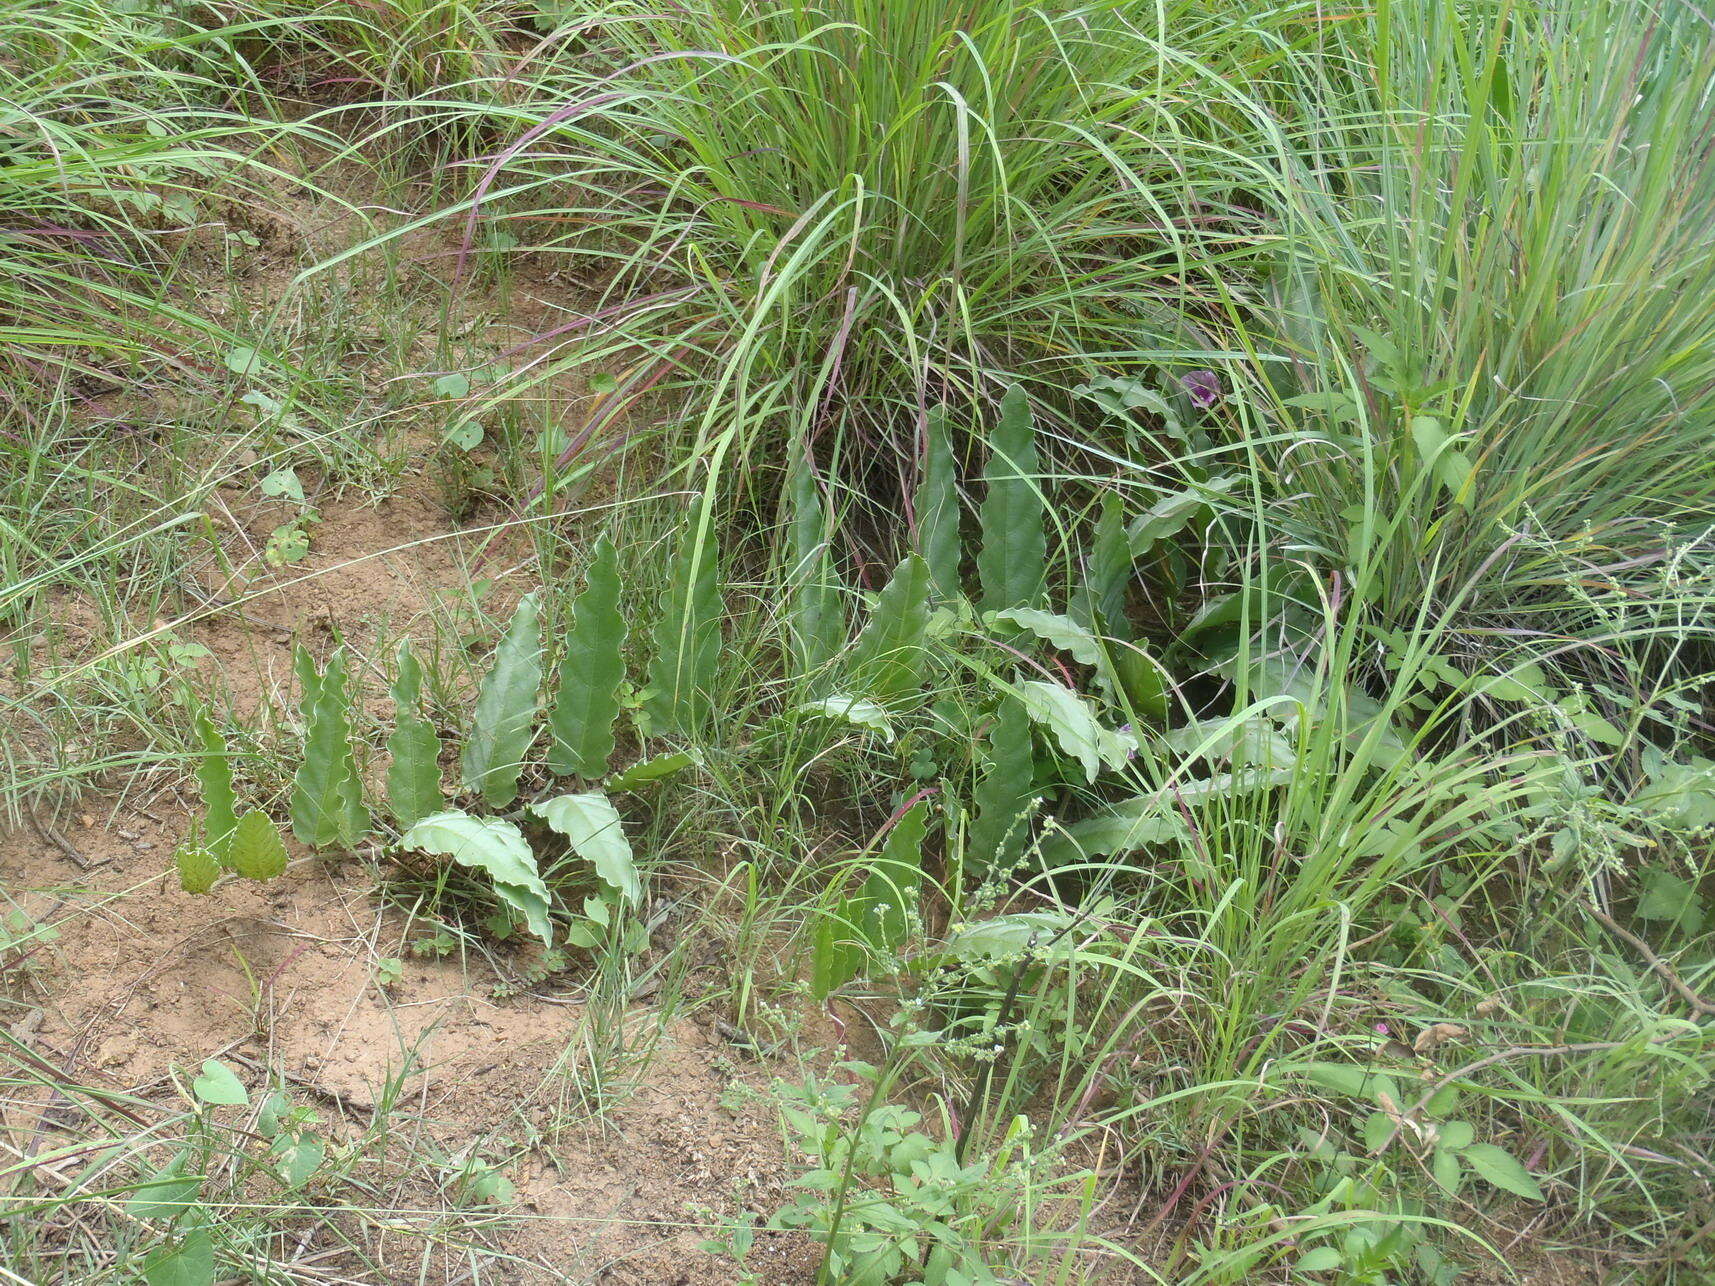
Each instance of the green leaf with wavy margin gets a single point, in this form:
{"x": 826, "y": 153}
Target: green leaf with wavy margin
{"x": 817, "y": 621}
{"x": 1074, "y": 725}
{"x": 592, "y": 670}
{"x": 592, "y": 826}
{"x": 1004, "y": 795}
{"x": 687, "y": 634}
{"x": 496, "y": 846}
{"x": 255, "y": 849}
{"x": 327, "y": 793}
{"x": 888, "y": 658}
{"x": 937, "y": 504}
{"x": 504, "y": 723}
{"x": 853, "y": 710}
{"x": 413, "y": 748}
{"x": 1012, "y": 562}
{"x": 214, "y": 776}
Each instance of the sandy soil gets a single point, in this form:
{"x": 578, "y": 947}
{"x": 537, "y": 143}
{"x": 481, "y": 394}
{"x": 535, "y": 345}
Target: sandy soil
{"x": 145, "y": 980}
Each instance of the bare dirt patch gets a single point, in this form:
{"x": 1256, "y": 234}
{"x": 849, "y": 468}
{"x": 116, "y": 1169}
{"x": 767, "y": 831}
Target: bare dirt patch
{"x": 145, "y": 980}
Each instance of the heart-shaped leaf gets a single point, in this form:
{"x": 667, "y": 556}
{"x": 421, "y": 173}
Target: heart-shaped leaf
{"x": 256, "y": 850}
{"x": 186, "y": 1262}
{"x": 219, "y": 1086}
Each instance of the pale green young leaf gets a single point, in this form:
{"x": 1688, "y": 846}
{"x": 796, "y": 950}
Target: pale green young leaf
{"x": 1378, "y": 1131}
{"x": 1322, "y": 1259}
{"x": 592, "y": 669}
{"x": 504, "y": 722}
{"x": 489, "y": 844}
{"x": 1455, "y": 1134}
{"x": 198, "y": 868}
{"x": 651, "y": 770}
{"x": 1059, "y": 632}
{"x": 1073, "y": 724}
{"x": 1447, "y": 1170}
{"x": 255, "y": 849}
{"x": 413, "y": 748}
{"x": 1451, "y": 467}
{"x": 592, "y": 826}
{"x": 327, "y": 793}
{"x": 887, "y": 660}
{"x": 1669, "y": 899}
{"x": 219, "y": 1086}
{"x": 1012, "y": 561}
{"x": 854, "y": 710}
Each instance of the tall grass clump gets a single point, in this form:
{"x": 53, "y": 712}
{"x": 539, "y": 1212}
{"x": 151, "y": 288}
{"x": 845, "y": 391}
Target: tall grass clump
{"x": 111, "y": 139}
{"x": 1503, "y": 279}
{"x": 834, "y": 213}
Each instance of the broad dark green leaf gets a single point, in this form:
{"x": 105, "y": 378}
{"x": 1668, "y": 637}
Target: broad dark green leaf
{"x": 937, "y": 504}
{"x": 1004, "y": 795}
{"x": 592, "y": 827}
{"x": 1012, "y": 563}
{"x": 592, "y": 670}
{"x": 504, "y": 723}
{"x": 887, "y": 660}
{"x": 818, "y": 621}
{"x": 414, "y": 749}
{"x": 214, "y": 775}
{"x": 687, "y": 634}
{"x": 1108, "y": 570}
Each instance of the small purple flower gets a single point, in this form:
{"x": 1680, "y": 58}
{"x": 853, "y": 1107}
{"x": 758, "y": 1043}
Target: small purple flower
{"x": 1202, "y": 387}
